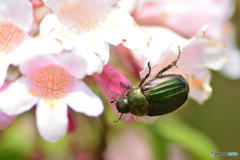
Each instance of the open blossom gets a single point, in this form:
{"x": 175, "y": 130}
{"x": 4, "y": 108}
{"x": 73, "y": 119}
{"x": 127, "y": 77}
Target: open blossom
{"x": 15, "y": 23}
{"x": 100, "y": 20}
{"x": 52, "y": 82}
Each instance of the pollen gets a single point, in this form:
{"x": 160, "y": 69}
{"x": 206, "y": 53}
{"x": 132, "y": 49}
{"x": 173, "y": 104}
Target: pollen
{"x": 11, "y": 36}
{"x": 52, "y": 82}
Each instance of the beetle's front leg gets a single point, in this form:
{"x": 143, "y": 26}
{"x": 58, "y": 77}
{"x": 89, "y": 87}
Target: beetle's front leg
{"x": 125, "y": 86}
{"x": 115, "y": 100}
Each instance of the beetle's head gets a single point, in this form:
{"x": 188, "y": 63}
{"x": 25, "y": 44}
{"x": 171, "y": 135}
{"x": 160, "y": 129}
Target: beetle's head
{"x": 122, "y": 106}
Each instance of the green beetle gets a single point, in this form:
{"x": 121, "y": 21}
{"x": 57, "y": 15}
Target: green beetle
{"x": 161, "y": 95}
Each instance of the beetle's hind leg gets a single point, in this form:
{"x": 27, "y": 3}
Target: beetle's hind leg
{"x": 147, "y": 75}
{"x": 174, "y": 63}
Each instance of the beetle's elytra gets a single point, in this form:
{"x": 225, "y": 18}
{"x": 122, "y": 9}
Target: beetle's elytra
{"x": 161, "y": 95}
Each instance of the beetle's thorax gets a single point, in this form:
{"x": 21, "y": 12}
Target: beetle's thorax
{"x": 137, "y": 102}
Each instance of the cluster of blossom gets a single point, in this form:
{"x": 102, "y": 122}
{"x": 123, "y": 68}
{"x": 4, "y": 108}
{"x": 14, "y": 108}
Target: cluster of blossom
{"x": 73, "y": 42}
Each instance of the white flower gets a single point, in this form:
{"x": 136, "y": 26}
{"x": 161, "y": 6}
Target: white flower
{"x": 100, "y": 20}
{"x": 53, "y": 82}
{"x": 95, "y": 51}
{"x": 15, "y": 22}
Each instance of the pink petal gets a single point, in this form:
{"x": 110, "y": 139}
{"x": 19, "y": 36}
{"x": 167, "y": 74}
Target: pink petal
{"x": 109, "y": 83}
{"x": 73, "y": 64}
{"x": 6, "y": 120}
{"x": 35, "y": 63}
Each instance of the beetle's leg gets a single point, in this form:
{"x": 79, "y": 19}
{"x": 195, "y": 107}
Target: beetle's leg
{"x": 119, "y": 118}
{"x": 147, "y": 75}
{"x": 115, "y": 100}
{"x": 174, "y": 63}
{"x": 125, "y": 86}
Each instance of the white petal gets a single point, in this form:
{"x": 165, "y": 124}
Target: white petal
{"x": 203, "y": 92}
{"x": 111, "y": 2}
{"x": 51, "y": 26}
{"x": 73, "y": 64}
{"x": 207, "y": 53}
{"x": 19, "y": 12}
{"x": 16, "y": 98}
{"x": 82, "y": 99}
{"x": 95, "y": 62}
{"x": 52, "y": 121}
{"x": 232, "y": 68}
{"x": 53, "y": 4}
{"x": 5, "y": 120}
{"x": 33, "y": 47}
{"x": 120, "y": 27}
{"x": 90, "y": 43}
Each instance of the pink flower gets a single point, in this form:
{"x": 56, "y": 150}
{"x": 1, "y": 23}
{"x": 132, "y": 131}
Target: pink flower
{"x": 53, "y": 82}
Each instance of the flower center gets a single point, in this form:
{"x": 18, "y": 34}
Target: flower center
{"x": 11, "y": 37}
{"x": 52, "y": 82}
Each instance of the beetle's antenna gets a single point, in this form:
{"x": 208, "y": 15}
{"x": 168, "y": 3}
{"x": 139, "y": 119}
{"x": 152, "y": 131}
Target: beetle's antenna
{"x": 119, "y": 118}
{"x": 174, "y": 63}
{"x": 147, "y": 75}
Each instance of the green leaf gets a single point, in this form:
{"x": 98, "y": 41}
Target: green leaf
{"x": 173, "y": 130}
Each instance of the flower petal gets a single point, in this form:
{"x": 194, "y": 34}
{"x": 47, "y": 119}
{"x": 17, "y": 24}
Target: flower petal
{"x": 73, "y": 64}
{"x": 200, "y": 89}
{"x": 34, "y": 47}
{"x": 82, "y": 99}
{"x": 206, "y": 53}
{"x": 232, "y": 68}
{"x": 35, "y": 63}
{"x": 51, "y": 27}
{"x": 6, "y": 120}
{"x": 119, "y": 27}
{"x": 109, "y": 84}
{"x": 16, "y": 99}
{"x": 89, "y": 43}
{"x": 52, "y": 120}
{"x": 18, "y": 12}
